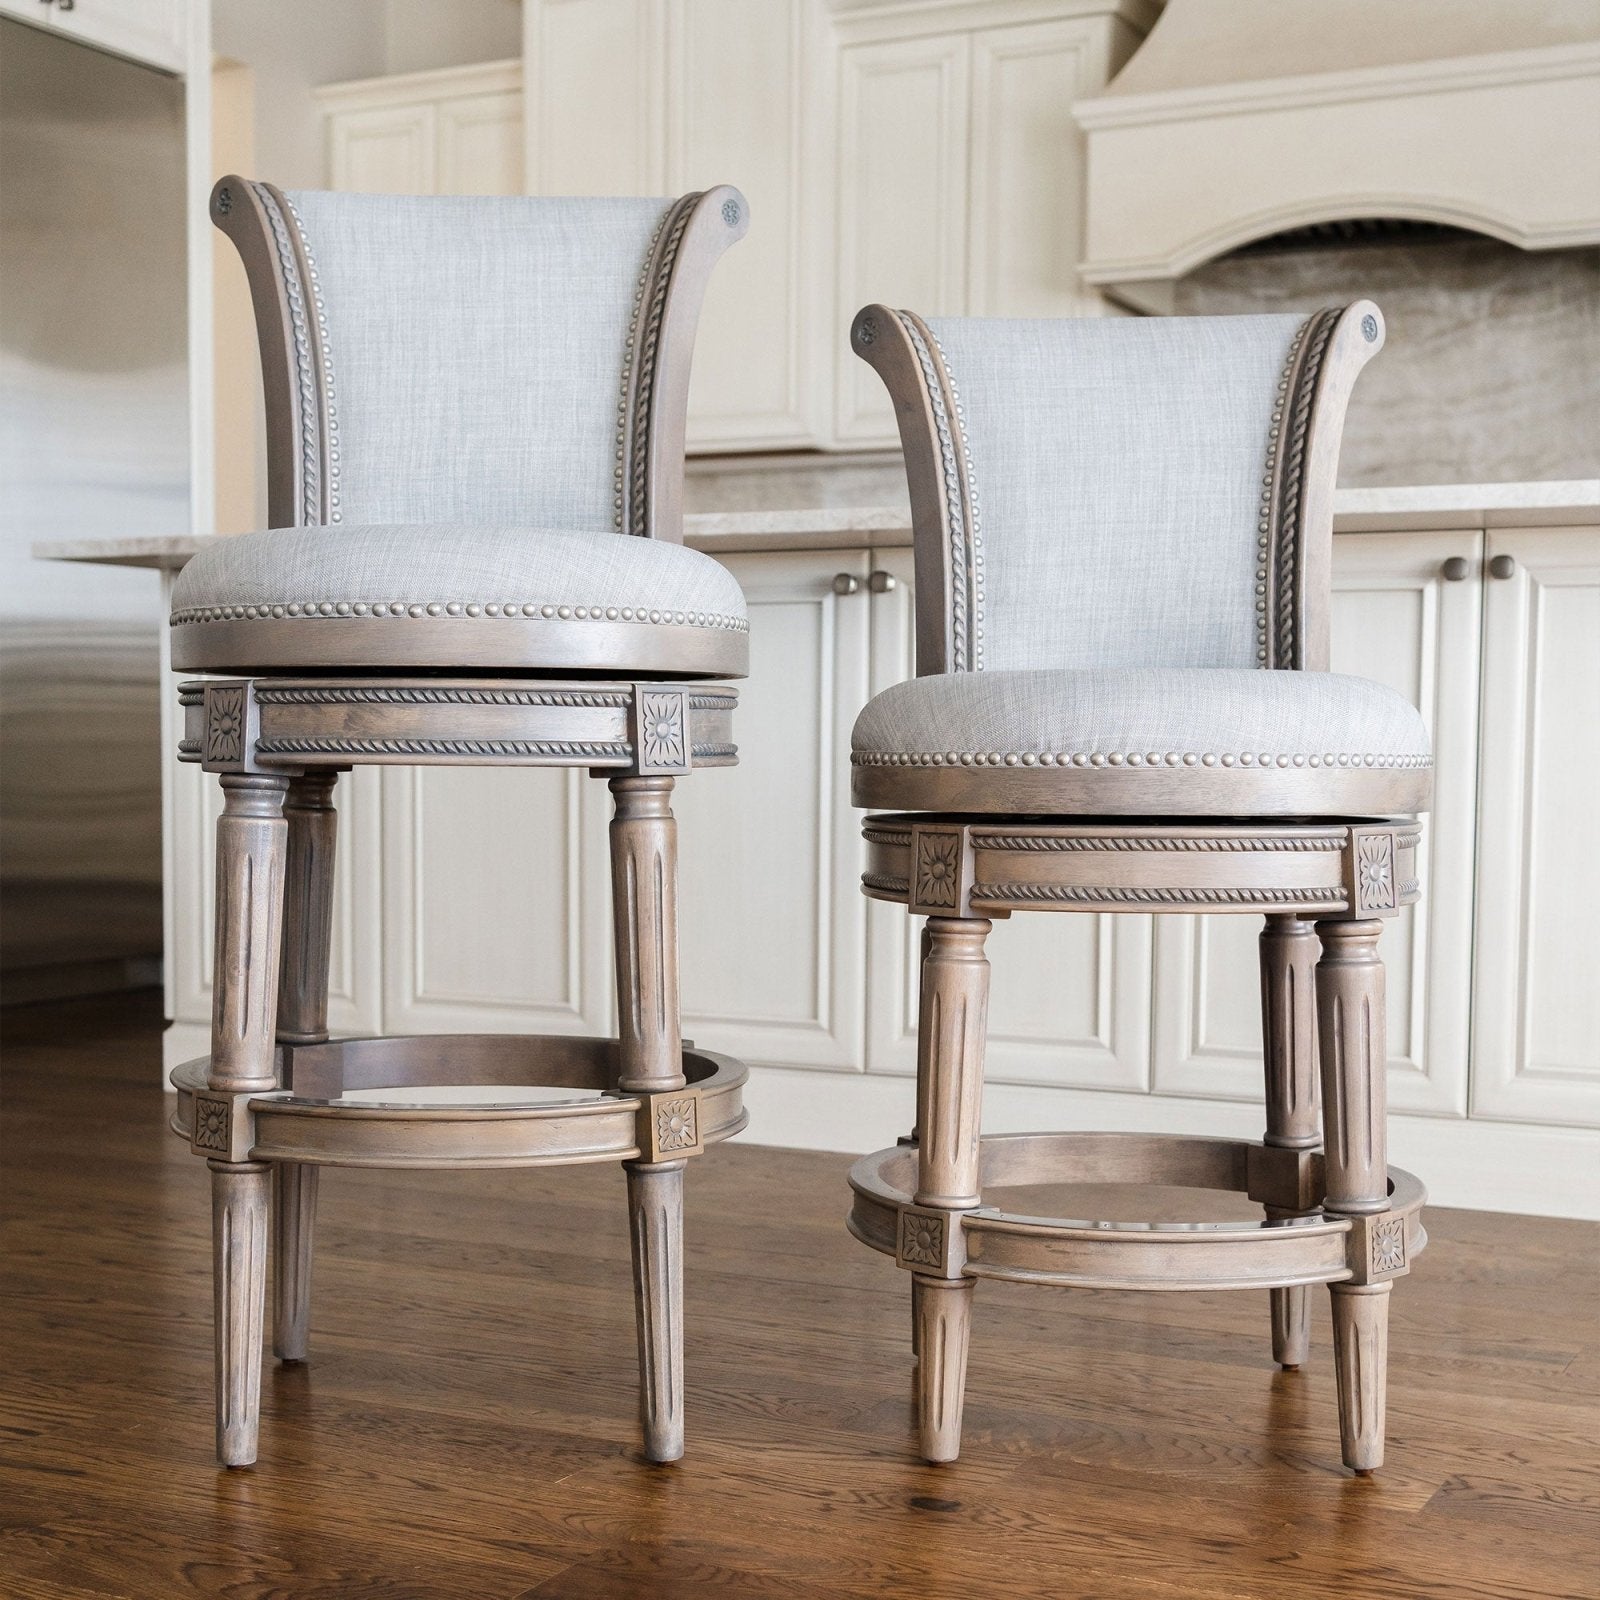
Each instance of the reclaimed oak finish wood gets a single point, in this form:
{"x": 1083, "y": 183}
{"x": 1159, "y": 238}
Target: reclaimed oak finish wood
{"x": 468, "y": 1431}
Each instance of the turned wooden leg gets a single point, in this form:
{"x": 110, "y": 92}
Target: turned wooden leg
{"x": 950, "y": 1040}
{"x": 644, "y": 883}
{"x": 302, "y": 1019}
{"x": 1353, "y": 1050}
{"x": 1289, "y": 1040}
{"x": 249, "y": 913}
{"x": 239, "y": 1282}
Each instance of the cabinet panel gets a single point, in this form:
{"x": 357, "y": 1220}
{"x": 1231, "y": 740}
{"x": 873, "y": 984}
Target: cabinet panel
{"x": 737, "y": 114}
{"x": 1028, "y": 167}
{"x": 383, "y": 150}
{"x": 1395, "y": 619}
{"x": 1536, "y": 1001}
{"x": 902, "y": 195}
{"x": 353, "y": 968}
{"x": 480, "y": 144}
{"x": 145, "y": 30}
{"x": 770, "y": 910}
{"x": 497, "y": 913}
{"x": 1069, "y": 994}
{"x": 594, "y": 96}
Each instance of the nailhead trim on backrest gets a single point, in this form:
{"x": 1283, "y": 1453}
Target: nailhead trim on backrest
{"x": 965, "y": 599}
{"x": 332, "y": 417}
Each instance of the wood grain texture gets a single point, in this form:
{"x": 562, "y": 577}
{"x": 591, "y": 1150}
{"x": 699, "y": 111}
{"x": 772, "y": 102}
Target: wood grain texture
{"x": 239, "y": 1283}
{"x": 950, "y": 1040}
{"x": 1289, "y": 1039}
{"x": 469, "y": 1428}
{"x": 294, "y": 1222}
{"x": 655, "y": 1225}
{"x": 251, "y": 840}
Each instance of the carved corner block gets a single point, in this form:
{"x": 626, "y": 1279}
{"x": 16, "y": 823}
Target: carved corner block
{"x": 224, "y": 1126}
{"x": 1371, "y": 873}
{"x": 229, "y": 728}
{"x": 1377, "y": 1248}
{"x": 941, "y": 872}
{"x": 670, "y": 1125}
{"x": 661, "y": 731}
{"x": 930, "y": 1241}
{"x": 1289, "y": 1180}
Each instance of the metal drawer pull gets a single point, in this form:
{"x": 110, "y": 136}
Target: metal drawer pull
{"x": 846, "y": 583}
{"x": 881, "y": 582}
{"x": 1455, "y": 569}
{"x": 1502, "y": 566}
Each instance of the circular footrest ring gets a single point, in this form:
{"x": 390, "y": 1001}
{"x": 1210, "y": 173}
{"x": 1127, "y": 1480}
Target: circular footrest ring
{"x": 987, "y": 1242}
{"x": 309, "y": 1123}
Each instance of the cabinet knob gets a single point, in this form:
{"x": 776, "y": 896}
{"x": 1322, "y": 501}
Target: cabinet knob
{"x": 1502, "y": 566}
{"x": 881, "y": 582}
{"x": 65, "y": 5}
{"x": 1455, "y": 569}
{"x": 846, "y": 583}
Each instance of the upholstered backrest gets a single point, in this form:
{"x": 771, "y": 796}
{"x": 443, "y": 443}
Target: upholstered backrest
{"x": 1120, "y": 492}
{"x": 485, "y": 359}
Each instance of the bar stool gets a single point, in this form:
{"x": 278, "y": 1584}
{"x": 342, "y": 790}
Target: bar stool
{"x": 475, "y": 438}
{"x": 1123, "y": 538}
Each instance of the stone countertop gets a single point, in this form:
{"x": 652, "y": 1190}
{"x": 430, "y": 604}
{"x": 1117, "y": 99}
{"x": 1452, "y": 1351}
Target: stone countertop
{"x": 1446, "y": 506}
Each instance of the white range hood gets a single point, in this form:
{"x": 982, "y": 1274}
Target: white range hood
{"x": 1242, "y": 118}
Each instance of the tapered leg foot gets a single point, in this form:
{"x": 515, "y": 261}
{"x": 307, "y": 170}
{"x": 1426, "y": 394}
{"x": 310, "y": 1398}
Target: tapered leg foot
{"x": 294, "y": 1216}
{"x": 1291, "y": 1326}
{"x": 655, "y": 1212}
{"x": 239, "y": 1270}
{"x": 944, "y": 1318}
{"x": 1361, "y": 1358}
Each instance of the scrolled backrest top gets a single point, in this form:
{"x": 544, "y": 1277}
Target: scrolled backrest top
{"x": 1121, "y": 492}
{"x": 503, "y": 359}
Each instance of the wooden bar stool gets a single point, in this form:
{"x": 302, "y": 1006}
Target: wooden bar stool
{"x": 1123, "y": 541}
{"x": 475, "y": 437}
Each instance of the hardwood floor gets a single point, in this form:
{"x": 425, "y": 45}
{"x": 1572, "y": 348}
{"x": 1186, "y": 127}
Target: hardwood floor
{"x": 466, "y": 1424}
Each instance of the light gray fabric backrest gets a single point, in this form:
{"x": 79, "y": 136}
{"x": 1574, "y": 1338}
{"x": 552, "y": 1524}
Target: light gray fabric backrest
{"x": 475, "y": 352}
{"x": 1119, "y": 466}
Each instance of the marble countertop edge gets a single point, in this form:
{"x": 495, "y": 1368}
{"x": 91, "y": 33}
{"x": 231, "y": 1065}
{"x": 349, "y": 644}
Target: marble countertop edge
{"x": 1553, "y": 503}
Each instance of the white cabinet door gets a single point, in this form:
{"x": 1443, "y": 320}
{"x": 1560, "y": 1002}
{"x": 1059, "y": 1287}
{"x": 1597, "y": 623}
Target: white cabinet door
{"x": 1395, "y": 619}
{"x": 479, "y": 143}
{"x": 740, "y": 111}
{"x": 1029, "y": 163}
{"x": 496, "y": 901}
{"x": 1536, "y": 998}
{"x": 354, "y": 998}
{"x": 902, "y": 216}
{"x": 595, "y": 96}
{"x": 1069, "y": 994}
{"x": 771, "y": 918}
{"x": 151, "y": 31}
{"x": 384, "y": 150}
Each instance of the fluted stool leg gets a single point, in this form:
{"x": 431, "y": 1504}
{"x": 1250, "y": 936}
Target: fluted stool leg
{"x": 302, "y": 1019}
{"x": 249, "y": 913}
{"x": 950, "y": 1041}
{"x": 644, "y": 886}
{"x": 1353, "y": 1049}
{"x": 1289, "y": 1041}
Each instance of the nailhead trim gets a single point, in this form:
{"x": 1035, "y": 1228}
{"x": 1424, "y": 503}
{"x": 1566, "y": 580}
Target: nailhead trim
{"x": 1131, "y": 758}
{"x": 305, "y": 380}
{"x": 333, "y": 461}
{"x": 962, "y": 537}
{"x": 455, "y": 609}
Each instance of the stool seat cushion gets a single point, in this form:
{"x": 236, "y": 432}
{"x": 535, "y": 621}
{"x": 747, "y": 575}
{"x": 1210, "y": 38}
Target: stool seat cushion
{"x": 1142, "y": 741}
{"x": 451, "y": 595}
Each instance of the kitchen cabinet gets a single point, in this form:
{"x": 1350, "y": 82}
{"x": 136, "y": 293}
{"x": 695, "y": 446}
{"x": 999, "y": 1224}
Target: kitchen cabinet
{"x": 155, "y": 32}
{"x": 457, "y": 130}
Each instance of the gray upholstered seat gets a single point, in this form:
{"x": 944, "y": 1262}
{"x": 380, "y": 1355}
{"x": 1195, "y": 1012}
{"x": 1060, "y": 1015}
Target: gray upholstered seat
{"x": 1113, "y": 741}
{"x": 497, "y": 596}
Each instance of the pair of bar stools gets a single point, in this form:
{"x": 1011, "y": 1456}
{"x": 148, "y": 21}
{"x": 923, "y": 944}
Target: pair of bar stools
{"x": 475, "y": 415}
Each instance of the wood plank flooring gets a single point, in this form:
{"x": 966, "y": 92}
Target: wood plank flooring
{"x": 466, "y": 1424}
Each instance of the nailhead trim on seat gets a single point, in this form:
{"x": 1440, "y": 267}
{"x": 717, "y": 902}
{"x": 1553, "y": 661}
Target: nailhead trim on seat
{"x": 1131, "y": 758}
{"x": 346, "y": 609}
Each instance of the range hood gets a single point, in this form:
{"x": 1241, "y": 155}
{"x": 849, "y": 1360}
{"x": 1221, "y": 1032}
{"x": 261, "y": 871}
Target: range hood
{"x": 1237, "y": 119}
